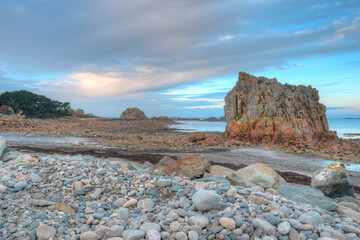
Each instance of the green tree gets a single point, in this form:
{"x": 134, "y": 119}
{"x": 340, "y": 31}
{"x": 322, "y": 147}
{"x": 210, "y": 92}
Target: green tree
{"x": 34, "y": 105}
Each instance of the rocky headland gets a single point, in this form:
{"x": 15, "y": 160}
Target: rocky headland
{"x": 263, "y": 111}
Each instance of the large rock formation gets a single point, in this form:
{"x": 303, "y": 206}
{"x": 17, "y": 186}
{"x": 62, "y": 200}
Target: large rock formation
{"x": 262, "y": 110}
{"x": 131, "y": 114}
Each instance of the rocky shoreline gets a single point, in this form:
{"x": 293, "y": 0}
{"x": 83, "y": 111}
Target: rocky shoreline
{"x": 60, "y": 197}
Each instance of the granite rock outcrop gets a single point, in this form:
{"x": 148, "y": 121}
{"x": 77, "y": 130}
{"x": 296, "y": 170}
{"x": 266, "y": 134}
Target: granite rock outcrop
{"x": 131, "y": 114}
{"x": 261, "y": 110}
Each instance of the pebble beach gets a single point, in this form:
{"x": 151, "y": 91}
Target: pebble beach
{"x": 60, "y": 197}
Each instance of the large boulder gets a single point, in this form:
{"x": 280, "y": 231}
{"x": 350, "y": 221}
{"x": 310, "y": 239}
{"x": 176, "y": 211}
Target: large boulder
{"x": 256, "y": 174}
{"x": 192, "y": 165}
{"x": 308, "y": 195}
{"x": 131, "y": 114}
{"x": 262, "y": 110}
{"x": 166, "y": 165}
{"x": 333, "y": 180}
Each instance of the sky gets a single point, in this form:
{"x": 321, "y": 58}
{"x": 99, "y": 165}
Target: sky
{"x": 181, "y": 57}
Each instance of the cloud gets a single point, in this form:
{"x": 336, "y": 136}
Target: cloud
{"x": 206, "y": 107}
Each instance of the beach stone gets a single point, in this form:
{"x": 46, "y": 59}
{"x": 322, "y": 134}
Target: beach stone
{"x": 274, "y": 220}
{"x": 348, "y": 212}
{"x": 166, "y": 165}
{"x": 309, "y": 195}
{"x": 192, "y": 165}
{"x": 43, "y": 202}
{"x": 199, "y": 220}
{"x": 146, "y": 203}
{"x": 349, "y": 228}
{"x": 21, "y": 184}
{"x": 351, "y": 205}
{"x": 192, "y": 235}
{"x": 3, "y": 188}
{"x": 153, "y": 235}
{"x": 35, "y": 178}
{"x": 162, "y": 182}
{"x": 181, "y": 236}
{"x": 175, "y": 226}
{"x": 333, "y": 180}
{"x": 123, "y": 214}
{"x": 130, "y": 203}
{"x": 88, "y": 236}
{"x": 44, "y": 232}
{"x": 227, "y": 223}
{"x": 264, "y": 225}
{"x": 294, "y": 235}
{"x": 256, "y": 174}
{"x": 214, "y": 178}
{"x": 311, "y": 217}
{"x": 220, "y": 170}
{"x": 63, "y": 207}
{"x": 257, "y": 200}
{"x": 284, "y": 228}
{"x": 133, "y": 234}
{"x": 149, "y": 226}
{"x": 295, "y": 224}
{"x": 119, "y": 202}
{"x": 205, "y": 200}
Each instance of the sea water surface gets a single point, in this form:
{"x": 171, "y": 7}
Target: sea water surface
{"x": 340, "y": 125}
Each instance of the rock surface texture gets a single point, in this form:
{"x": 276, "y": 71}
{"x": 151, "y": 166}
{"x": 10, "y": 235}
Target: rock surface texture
{"x": 333, "y": 180}
{"x": 261, "y": 110}
{"x": 131, "y": 114}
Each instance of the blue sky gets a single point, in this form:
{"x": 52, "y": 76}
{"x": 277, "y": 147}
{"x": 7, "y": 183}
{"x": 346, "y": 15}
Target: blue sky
{"x": 178, "y": 58}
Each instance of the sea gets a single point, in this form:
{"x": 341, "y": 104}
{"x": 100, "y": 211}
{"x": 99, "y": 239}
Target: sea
{"x": 342, "y": 126}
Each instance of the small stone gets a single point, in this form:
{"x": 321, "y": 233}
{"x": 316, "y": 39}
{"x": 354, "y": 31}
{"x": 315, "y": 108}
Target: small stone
{"x": 63, "y": 207}
{"x": 192, "y": 235}
{"x": 274, "y": 220}
{"x": 150, "y": 226}
{"x": 123, "y": 214}
{"x": 264, "y": 225}
{"x": 175, "y": 226}
{"x": 311, "y": 217}
{"x": 284, "y": 228}
{"x": 257, "y": 200}
{"x": 199, "y": 220}
{"x": 120, "y": 202}
{"x": 205, "y": 200}
{"x": 35, "y": 178}
{"x": 43, "y": 202}
{"x": 21, "y": 184}
{"x": 227, "y": 223}
{"x": 294, "y": 235}
{"x": 153, "y": 235}
{"x": 130, "y": 203}
{"x": 133, "y": 234}
{"x": 44, "y": 232}
{"x": 181, "y": 236}
{"x": 88, "y": 236}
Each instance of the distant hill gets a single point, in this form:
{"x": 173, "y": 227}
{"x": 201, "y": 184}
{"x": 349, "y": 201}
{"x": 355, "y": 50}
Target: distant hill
{"x": 34, "y": 105}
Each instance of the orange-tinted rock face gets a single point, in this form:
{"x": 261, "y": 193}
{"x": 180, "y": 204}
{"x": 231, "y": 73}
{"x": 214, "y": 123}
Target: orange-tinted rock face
{"x": 192, "y": 165}
{"x": 262, "y": 110}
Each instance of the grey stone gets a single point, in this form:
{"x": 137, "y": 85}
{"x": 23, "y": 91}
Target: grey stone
{"x": 205, "y": 200}
{"x": 311, "y": 217}
{"x": 44, "y": 232}
{"x": 192, "y": 235}
{"x": 284, "y": 228}
{"x": 333, "y": 180}
{"x": 133, "y": 234}
{"x": 35, "y": 178}
{"x": 274, "y": 220}
{"x": 256, "y": 175}
{"x": 309, "y": 195}
{"x": 2, "y": 145}
{"x": 123, "y": 214}
{"x": 21, "y": 184}
{"x": 43, "y": 202}
{"x": 149, "y": 226}
{"x": 88, "y": 236}
{"x": 199, "y": 220}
